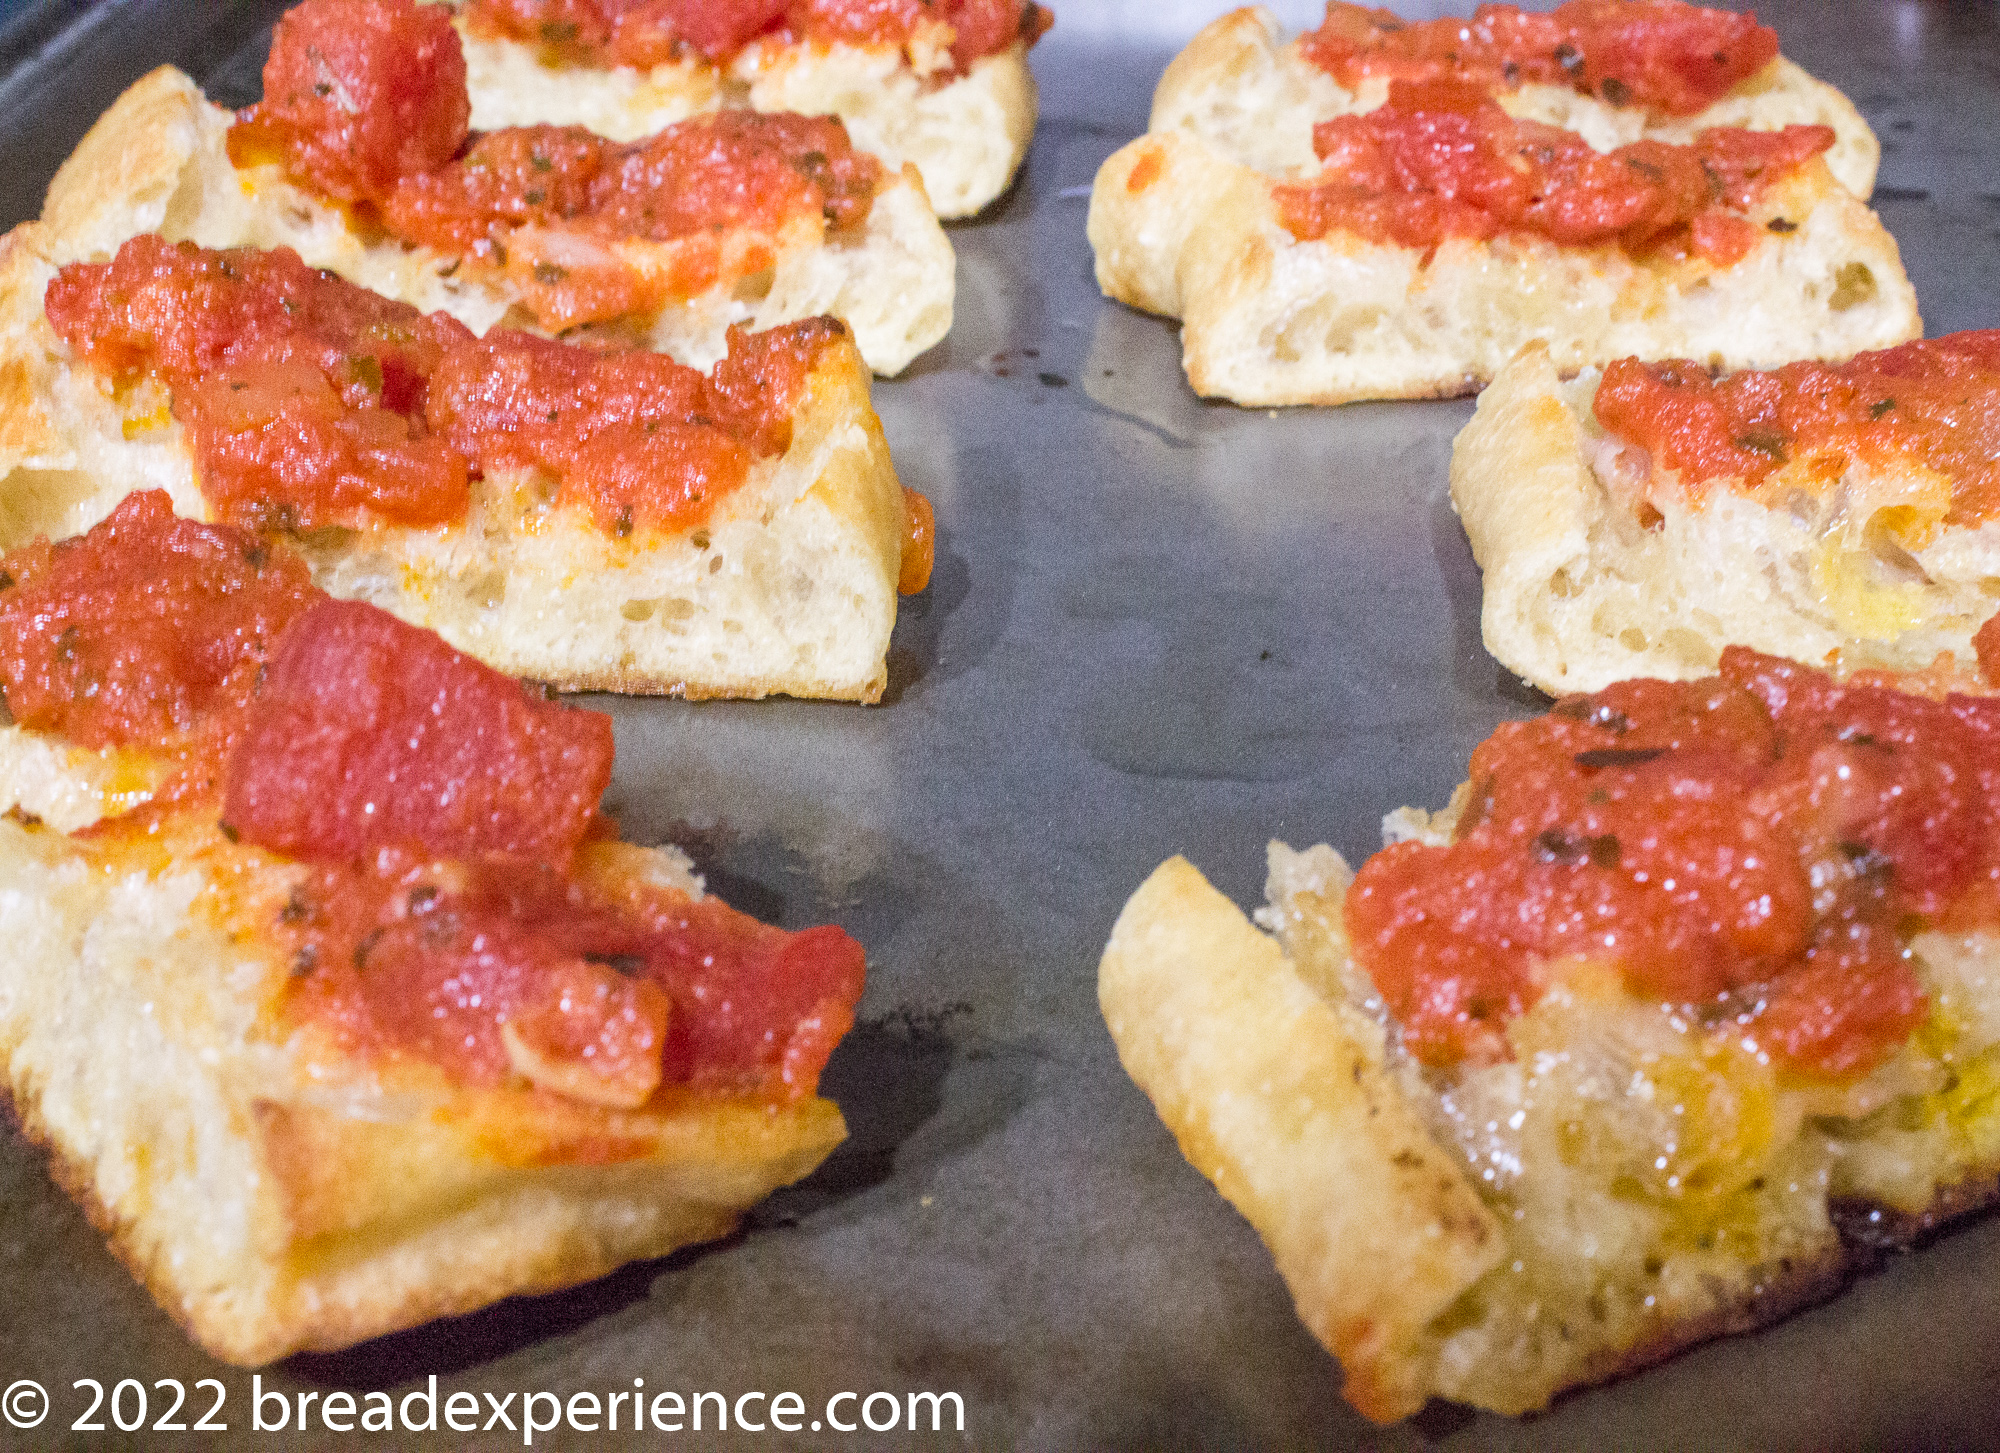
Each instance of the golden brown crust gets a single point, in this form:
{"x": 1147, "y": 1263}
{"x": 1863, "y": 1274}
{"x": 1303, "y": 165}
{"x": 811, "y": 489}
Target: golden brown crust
{"x": 277, "y": 1194}
{"x": 1282, "y": 1100}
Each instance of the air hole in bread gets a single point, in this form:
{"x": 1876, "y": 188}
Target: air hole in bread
{"x": 1330, "y": 327}
{"x": 1884, "y": 534}
{"x": 1632, "y": 639}
{"x": 1853, "y": 285}
{"x": 1990, "y": 585}
{"x": 676, "y": 608}
{"x": 754, "y": 287}
{"x": 487, "y": 589}
{"x": 715, "y": 565}
{"x": 46, "y": 502}
{"x": 1562, "y": 584}
{"x": 1689, "y": 647}
{"x": 638, "y": 610}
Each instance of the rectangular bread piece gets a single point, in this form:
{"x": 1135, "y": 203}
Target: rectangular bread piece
{"x": 789, "y": 586}
{"x": 1186, "y": 222}
{"x": 1599, "y": 566}
{"x": 158, "y": 161}
{"x": 1628, "y": 1047}
{"x": 278, "y": 1147}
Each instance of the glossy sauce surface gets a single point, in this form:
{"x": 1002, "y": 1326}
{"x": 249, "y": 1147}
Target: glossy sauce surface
{"x": 1441, "y": 159}
{"x": 1661, "y": 54}
{"x": 312, "y": 402}
{"x": 1757, "y": 846}
{"x": 654, "y": 32}
{"x": 457, "y": 886}
{"x": 1935, "y": 402}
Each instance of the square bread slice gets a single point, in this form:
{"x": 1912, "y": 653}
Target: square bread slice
{"x": 966, "y": 135}
{"x": 1467, "y": 1235}
{"x": 1597, "y": 568}
{"x": 274, "y": 1194}
{"x": 158, "y": 161}
{"x": 789, "y": 587}
{"x": 1184, "y": 222}
{"x": 278, "y": 1145}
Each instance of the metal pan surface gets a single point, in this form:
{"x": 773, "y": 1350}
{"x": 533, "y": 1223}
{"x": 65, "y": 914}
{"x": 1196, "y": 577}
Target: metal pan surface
{"x": 1156, "y": 626}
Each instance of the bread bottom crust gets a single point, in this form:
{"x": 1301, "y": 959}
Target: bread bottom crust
{"x": 1269, "y": 1058}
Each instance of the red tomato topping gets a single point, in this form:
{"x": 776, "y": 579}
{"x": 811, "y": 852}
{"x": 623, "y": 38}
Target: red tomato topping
{"x": 1937, "y": 401}
{"x": 135, "y": 633}
{"x": 1440, "y": 159}
{"x": 360, "y": 93}
{"x": 554, "y": 197}
{"x": 310, "y": 401}
{"x": 559, "y": 200}
{"x": 1661, "y": 54}
{"x": 369, "y": 733}
{"x": 652, "y": 32}
{"x": 303, "y": 395}
{"x": 448, "y": 910}
{"x": 1758, "y": 846}
{"x": 1986, "y": 647}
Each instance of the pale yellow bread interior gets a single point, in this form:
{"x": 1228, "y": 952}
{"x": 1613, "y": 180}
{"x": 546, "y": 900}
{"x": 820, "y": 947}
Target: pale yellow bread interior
{"x": 157, "y": 161}
{"x": 1580, "y": 593}
{"x": 966, "y": 134}
{"x": 277, "y": 1194}
{"x": 789, "y": 587}
{"x": 1624, "y": 1186}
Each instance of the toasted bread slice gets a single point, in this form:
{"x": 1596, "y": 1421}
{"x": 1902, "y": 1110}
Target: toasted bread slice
{"x": 1180, "y": 229}
{"x": 790, "y": 586}
{"x": 1592, "y": 577}
{"x": 1244, "y": 88}
{"x": 1466, "y": 1235}
{"x": 966, "y": 136}
{"x": 158, "y": 161}
{"x": 279, "y": 1195}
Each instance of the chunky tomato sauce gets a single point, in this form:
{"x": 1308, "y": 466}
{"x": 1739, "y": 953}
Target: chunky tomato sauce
{"x": 458, "y": 901}
{"x": 1440, "y": 159}
{"x": 1757, "y": 846}
{"x": 1661, "y": 54}
{"x": 365, "y": 103}
{"x": 310, "y": 402}
{"x": 1936, "y": 401}
{"x": 653, "y": 32}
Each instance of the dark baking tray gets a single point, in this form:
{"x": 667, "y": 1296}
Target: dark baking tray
{"x": 1156, "y": 626}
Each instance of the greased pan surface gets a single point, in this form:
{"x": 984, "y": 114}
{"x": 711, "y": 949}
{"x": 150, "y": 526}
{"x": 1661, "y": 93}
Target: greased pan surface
{"x": 1156, "y": 626}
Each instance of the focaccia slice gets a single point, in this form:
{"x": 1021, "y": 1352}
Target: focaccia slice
{"x": 1254, "y": 94}
{"x": 963, "y": 121}
{"x": 1604, "y": 1174}
{"x": 1281, "y": 305}
{"x": 223, "y": 1041}
{"x": 159, "y": 161}
{"x": 786, "y": 583}
{"x": 1865, "y": 539}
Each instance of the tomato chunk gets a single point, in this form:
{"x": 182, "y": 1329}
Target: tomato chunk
{"x": 359, "y": 93}
{"x": 1661, "y": 54}
{"x": 135, "y": 632}
{"x": 1441, "y": 159}
{"x": 370, "y": 734}
{"x": 1757, "y": 846}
